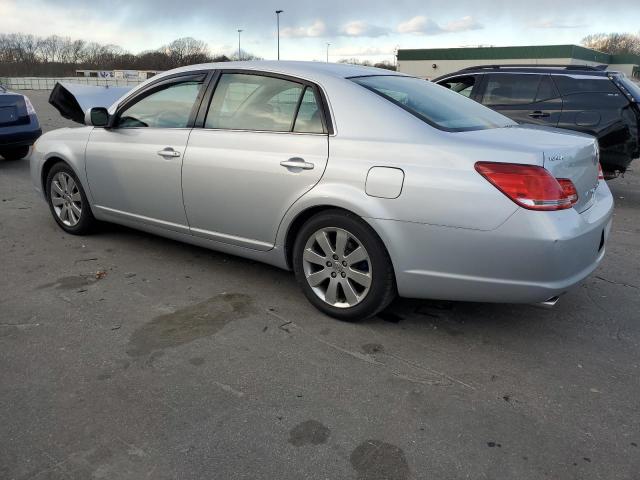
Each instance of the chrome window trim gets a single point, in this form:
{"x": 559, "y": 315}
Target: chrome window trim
{"x": 327, "y": 111}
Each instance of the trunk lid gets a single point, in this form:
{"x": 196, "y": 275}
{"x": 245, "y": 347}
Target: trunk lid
{"x": 13, "y": 110}
{"x": 564, "y": 153}
{"x": 578, "y": 163}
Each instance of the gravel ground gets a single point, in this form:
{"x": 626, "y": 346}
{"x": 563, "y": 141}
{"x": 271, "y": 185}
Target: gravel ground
{"x": 178, "y": 362}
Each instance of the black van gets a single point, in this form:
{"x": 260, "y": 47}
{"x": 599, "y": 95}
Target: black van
{"x": 587, "y": 99}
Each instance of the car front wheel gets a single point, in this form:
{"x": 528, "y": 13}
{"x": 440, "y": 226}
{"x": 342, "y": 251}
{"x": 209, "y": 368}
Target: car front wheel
{"x": 343, "y": 266}
{"x": 67, "y": 200}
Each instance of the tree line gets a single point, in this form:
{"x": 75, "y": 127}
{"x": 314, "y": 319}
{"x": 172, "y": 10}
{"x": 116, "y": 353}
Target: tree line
{"x": 31, "y": 55}
{"x": 613, "y": 43}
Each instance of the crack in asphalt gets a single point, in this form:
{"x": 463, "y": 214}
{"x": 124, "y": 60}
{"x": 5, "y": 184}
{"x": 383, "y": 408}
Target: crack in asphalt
{"x": 613, "y": 282}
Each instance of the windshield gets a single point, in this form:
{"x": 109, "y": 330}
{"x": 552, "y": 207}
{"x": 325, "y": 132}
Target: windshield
{"x": 436, "y": 105}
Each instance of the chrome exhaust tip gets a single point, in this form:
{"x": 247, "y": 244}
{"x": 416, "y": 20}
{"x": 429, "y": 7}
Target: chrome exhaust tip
{"x": 551, "y": 302}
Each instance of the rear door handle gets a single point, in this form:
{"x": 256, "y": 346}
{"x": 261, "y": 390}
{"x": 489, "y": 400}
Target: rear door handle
{"x": 538, "y": 114}
{"x": 168, "y": 152}
{"x": 296, "y": 162}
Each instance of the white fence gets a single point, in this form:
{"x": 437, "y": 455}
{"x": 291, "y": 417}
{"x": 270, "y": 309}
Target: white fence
{"x": 47, "y": 83}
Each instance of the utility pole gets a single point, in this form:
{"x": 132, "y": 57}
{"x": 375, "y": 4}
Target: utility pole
{"x": 239, "y": 51}
{"x": 278, "y": 12}
{"x": 328, "y": 44}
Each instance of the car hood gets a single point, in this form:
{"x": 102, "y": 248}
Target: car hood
{"x": 73, "y": 100}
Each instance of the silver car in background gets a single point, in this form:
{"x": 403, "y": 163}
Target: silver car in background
{"x": 367, "y": 183}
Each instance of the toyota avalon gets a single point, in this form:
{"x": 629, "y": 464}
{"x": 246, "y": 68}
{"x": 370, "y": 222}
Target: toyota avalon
{"x": 366, "y": 183}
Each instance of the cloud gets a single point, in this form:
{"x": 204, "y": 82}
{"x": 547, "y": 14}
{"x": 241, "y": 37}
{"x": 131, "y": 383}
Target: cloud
{"x": 317, "y": 29}
{"x": 422, "y": 25}
{"x": 463, "y": 25}
{"x": 548, "y": 23}
{"x": 360, "y": 28}
{"x": 362, "y": 51}
{"x": 419, "y": 25}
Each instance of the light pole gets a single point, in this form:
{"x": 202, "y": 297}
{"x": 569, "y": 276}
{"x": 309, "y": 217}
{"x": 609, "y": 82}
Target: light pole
{"x": 239, "y": 51}
{"x": 278, "y": 12}
{"x": 328, "y": 44}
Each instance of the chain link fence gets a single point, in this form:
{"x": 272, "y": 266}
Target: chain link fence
{"x": 47, "y": 83}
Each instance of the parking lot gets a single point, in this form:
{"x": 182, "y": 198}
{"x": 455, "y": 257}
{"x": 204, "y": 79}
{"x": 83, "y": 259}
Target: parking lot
{"x": 129, "y": 356}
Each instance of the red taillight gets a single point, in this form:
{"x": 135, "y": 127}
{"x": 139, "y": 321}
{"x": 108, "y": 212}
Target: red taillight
{"x": 600, "y": 172}
{"x": 529, "y": 186}
{"x": 569, "y": 189}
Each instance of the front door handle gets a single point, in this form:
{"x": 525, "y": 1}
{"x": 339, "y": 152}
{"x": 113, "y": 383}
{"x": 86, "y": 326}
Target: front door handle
{"x": 297, "y": 163}
{"x": 168, "y": 152}
{"x": 538, "y": 114}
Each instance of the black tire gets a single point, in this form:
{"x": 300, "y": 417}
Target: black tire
{"x": 382, "y": 289}
{"x": 86, "y": 221}
{"x": 14, "y": 153}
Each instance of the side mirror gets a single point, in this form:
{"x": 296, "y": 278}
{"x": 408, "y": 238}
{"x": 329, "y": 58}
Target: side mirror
{"x": 97, "y": 117}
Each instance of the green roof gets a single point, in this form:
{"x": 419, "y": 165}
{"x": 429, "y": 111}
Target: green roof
{"x": 504, "y": 53}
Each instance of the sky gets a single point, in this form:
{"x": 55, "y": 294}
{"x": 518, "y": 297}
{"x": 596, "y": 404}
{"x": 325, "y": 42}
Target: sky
{"x": 365, "y": 29}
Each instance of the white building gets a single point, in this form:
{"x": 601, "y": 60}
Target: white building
{"x": 434, "y": 62}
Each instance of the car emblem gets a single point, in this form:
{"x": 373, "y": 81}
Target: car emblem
{"x": 558, "y": 157}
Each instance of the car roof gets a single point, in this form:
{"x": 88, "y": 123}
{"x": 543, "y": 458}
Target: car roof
{"x": 313, "y": 71}
{"x": 583, "y": 70}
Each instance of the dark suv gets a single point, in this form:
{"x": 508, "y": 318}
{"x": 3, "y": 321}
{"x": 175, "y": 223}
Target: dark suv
{"x": 587, "y": 99}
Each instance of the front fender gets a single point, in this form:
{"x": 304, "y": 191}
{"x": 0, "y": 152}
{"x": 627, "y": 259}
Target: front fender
{"x": 68, "y": 145}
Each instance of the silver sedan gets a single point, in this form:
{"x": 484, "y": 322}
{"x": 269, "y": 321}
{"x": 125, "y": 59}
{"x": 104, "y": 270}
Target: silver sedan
{"x": 366, "y": 183}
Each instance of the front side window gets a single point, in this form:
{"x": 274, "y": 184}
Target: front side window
{"x": 461, "y": 85}
{"x": 546, "y": 90}
{"x": 439, "y": 107}
{"x": 168, "y": 107}
{"x": 256, "y": 102}
{"x": 509, "y": 89}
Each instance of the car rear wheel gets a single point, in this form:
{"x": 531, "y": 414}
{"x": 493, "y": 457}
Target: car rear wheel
{"x": 343, "y": 266}
{"x": 14, "y": 153}
{"x": 67, "y": 201}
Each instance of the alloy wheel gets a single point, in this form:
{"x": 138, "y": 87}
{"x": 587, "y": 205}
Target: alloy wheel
{"x": 337, "y": 267}
{"x": 66, "y": 199}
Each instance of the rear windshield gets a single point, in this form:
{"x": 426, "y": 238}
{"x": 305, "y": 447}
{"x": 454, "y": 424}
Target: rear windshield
{"x": 436, "y": 105}
{"x": 633, "y": 87}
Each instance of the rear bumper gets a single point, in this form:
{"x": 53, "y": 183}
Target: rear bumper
{"x": 21, "y": 135}
{"x": 530, "y": 258}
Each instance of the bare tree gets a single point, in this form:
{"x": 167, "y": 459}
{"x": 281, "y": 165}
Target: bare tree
{"x": 614, "y": 43}
{"x": 22, "y": 54}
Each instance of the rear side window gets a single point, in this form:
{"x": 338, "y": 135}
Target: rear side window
{"x": 568, "y": 85}
{"x": 168, "y": 107}
{"x": 261, "y": 103}
{"x": 439, "y": 107}
{"x": 511, "y": 89}
{"x": 309, "y": 119}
